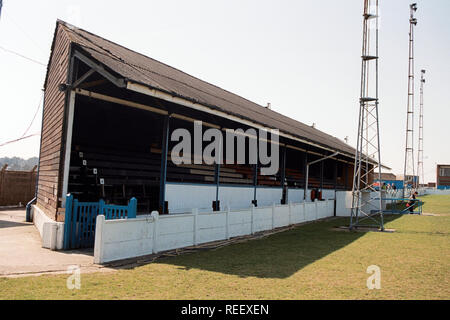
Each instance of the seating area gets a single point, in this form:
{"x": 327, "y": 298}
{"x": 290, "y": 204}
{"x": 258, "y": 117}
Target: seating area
{"x": 117, "y": 175}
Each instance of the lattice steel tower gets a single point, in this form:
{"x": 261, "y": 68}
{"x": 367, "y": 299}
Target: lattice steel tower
{"x": 408, "y": 174}
{"x": 420, "y": 170}
{"x": 367, "y": 210}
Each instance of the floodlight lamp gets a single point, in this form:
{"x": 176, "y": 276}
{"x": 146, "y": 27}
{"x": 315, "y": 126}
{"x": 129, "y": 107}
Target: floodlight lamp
{"x": 413, "y": 6}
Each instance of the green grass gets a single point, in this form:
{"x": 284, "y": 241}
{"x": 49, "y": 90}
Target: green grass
{"x": 310, "y": 262}
{"x": 436, "y": 204}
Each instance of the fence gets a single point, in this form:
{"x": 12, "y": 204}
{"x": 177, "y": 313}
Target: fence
{"x": 391, "y": 198}
{"x": 16, "y": 187}
{"x": 344, "y": 200}
{"x": 432, "y": 191}
{"x": 122, "y": 239}
{"x": 80, "y": 220}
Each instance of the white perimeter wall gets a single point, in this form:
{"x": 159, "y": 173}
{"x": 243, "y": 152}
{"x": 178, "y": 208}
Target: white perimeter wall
{"x": 182, "y": 199}
{"x": 52, "y": 232}
{"x": 344, "y": 201}
{"x": 436, "y": 191}
{"x": 122, "y": 239}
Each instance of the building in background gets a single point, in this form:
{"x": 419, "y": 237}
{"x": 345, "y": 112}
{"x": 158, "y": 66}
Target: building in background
{"x": 390, "y": 179}
{"x": 443, "y": 176}
{"x": 414, "y": 179}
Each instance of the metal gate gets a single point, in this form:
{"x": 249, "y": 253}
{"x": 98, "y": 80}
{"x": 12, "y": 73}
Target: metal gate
{"x": 80, "y": 220}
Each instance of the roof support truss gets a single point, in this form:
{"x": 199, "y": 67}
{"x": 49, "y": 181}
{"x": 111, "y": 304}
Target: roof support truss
{"x": 119, "y": 82}
{"x": 83, "y": 78}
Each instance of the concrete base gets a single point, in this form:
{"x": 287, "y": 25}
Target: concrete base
{"x": 21, "y": 252}
{"x": 363, "y": 229}
{"x": 52, "y": 232}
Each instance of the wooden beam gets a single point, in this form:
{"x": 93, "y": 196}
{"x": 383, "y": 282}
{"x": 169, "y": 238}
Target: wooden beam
{"x": 92, "y": 84}
{"x": 100, "y": 69}
{"x": 163, "y": 176}
{"x": 83, "y": 77}
{"x": 119, "y": 101}
{"x": 283, "y": 176}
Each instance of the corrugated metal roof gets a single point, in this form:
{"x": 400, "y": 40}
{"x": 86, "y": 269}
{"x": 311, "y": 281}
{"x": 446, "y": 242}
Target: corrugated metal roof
{"x": 141, "y": 69}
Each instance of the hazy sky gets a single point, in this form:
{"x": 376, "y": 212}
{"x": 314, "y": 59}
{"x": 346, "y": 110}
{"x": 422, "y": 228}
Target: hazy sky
{"x": 302, "y": 56}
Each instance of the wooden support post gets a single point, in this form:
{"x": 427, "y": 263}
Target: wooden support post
{"x": 216, "y": 206}
{"x": 255, "y": 178}
{"x": 255, "y": 184}
{"x": 132, "y": 208}
{"x": 68, "y": 145}
{"x": 335, "y": 186}
{"x": 322, "y": 164}
{"x": 335, "y": 175}
{"x": 163, "y": 176}
{"x": 217, "y": 180}
{"x": 67, "y": 222}
{"x": 283, "y": 176}
{"x": 101, "y": 208}
{"x": 305, "y": 169}
{"x": 346, "y": 176}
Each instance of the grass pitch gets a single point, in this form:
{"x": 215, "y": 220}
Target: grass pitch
{"x": 310, "y": 262}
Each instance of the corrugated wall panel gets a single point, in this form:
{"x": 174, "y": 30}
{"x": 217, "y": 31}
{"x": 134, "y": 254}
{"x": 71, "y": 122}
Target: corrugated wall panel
{"x": 50, "y": 165}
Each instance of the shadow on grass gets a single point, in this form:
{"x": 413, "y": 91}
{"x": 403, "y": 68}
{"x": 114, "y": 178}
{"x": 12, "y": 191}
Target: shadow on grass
{"x": 277, "y": 256}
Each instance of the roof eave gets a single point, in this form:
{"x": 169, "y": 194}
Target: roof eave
{"x": 187, "y": 102}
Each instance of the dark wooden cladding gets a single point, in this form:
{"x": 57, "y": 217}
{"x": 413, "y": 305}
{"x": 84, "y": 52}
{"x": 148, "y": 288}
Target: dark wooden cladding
{"x": 50, "y": 165}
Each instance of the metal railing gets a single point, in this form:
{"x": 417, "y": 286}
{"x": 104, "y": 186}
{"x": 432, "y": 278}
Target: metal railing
{"x": 397, "y": 206}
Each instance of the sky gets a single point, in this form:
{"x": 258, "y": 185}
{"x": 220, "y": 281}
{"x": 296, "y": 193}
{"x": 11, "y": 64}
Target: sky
{"x": 302, "y": 56}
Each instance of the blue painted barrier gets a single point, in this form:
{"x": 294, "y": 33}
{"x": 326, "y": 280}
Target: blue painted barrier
{"x": 80, "y": 220}
{"x": 118, "y": 212}
{"x": 417, "y": 206}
